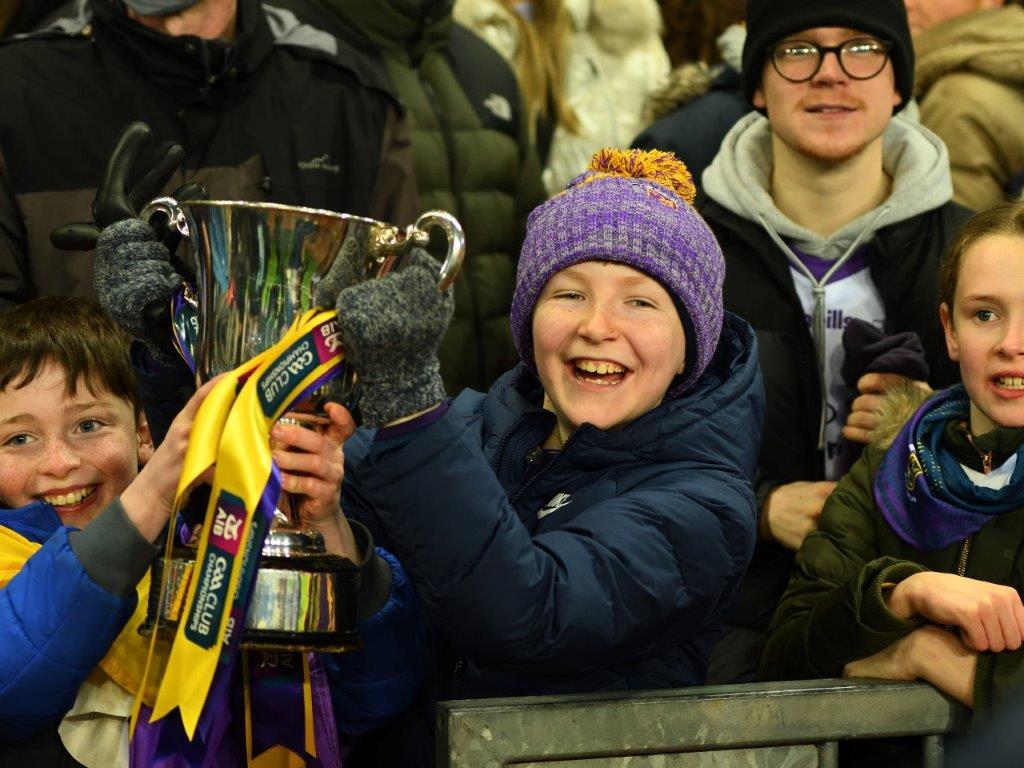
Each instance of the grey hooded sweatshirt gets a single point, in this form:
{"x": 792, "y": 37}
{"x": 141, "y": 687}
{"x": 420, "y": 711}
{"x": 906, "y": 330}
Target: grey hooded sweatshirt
{"x": 830, "y": 273}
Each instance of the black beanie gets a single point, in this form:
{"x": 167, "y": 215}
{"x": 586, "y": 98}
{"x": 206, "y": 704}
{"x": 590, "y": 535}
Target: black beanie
{"x": 768, "y": 21}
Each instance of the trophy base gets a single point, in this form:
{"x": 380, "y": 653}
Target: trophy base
{"x": 299, "y": 603}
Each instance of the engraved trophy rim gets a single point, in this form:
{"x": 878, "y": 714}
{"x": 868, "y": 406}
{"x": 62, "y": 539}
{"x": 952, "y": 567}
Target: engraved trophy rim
{"x": 263, "y": 205}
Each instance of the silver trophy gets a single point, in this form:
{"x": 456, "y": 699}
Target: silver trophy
{"x": 257, "y": 266}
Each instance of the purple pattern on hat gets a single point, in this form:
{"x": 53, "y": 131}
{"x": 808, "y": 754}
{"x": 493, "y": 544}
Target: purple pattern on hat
{"x": 631, "y": 221}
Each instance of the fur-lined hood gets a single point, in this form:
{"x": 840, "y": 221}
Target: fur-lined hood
{"x": 693, "y": 79}
{"x": 898, "y": 405}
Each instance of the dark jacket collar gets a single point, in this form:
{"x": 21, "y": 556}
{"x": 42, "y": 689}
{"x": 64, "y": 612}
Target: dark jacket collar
{"x": 727, "y": 399}
{"x": 187, "y": 68}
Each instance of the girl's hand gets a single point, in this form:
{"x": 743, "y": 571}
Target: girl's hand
{"x": 931, "y": 654}
{"x": 149, "y": 499}
{"x": 990, "y": 616}
{"x": 891, "y": 663}
{"x": 312, "y": 469}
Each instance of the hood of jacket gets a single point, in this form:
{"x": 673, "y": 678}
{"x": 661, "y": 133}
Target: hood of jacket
{"x": 739, "y": 179}
{"x": 412, "y": 26}
{"x": 989, "y": 43}
{"x": 722, "y": 415}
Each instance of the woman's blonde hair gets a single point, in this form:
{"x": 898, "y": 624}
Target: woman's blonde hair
{"x": 540, "y": 63}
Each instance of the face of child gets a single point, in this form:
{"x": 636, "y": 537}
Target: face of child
{"x": 76, "y": 453}
{"x": 608, "y": 342}
{"x": 985, "y": 331}
{"x": 831, "y": 117}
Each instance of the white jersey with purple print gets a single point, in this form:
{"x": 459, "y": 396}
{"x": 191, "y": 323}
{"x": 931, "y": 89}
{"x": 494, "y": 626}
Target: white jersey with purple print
{"x": 850, "y": 293}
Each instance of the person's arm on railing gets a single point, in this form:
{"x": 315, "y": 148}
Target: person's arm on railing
{"x": 834, "y": 610}
{"x": 930, "y": 653}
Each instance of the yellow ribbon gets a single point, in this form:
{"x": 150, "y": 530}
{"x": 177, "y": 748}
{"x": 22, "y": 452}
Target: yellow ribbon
{"x": 240, "y": 427}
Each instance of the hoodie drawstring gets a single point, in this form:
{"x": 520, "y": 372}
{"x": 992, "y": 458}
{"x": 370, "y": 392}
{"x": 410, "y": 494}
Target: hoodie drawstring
{"x": 818, "y": 286}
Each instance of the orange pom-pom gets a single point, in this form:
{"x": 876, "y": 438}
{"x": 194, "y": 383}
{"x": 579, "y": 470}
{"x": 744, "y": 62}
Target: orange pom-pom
{"x": 663, "y": 168}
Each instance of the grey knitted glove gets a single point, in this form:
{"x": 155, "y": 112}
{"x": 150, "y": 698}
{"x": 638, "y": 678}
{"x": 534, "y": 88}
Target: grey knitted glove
{"x": 348, "y": 268}
{"x": 135, "y": 281}
{"x": 391, "y": 329}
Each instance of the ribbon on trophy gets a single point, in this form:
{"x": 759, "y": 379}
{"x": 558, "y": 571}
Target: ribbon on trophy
{"x": 185, "y": 324}
{"x": 231, "y": 431}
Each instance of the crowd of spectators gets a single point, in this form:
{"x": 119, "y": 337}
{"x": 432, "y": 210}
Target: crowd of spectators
{"x": 818, "y": 477}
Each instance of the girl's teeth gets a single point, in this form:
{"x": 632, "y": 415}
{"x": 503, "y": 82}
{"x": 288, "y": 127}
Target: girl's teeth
{"x": 1010, "y": 382}
{"x": 592, "y": 366}
{"x": 64, "y": 499}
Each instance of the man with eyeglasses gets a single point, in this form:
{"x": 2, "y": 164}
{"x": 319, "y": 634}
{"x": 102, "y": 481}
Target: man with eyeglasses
{"x": 829, "y": 207}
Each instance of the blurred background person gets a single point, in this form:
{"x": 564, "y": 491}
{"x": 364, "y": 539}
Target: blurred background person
{"x": 703, "y": 97}
{"x": 267, "y": 108}
{"x": 472, "y": 156}
{"x": 616, "y": 60}
{"x": 970, "y": 85}
{"x": 534, "y": 38}
{"x": 605, "y": 57}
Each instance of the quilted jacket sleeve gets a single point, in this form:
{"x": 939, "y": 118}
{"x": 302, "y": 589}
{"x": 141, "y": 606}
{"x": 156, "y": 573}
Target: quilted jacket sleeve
{"x": 371, "y": 686}
{"x": 56, "y": 624}
{"x": 625, "y": 574}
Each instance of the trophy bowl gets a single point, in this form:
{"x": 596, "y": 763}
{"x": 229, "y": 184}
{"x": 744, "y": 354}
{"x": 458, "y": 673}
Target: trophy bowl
{"x": 256, "y": 267}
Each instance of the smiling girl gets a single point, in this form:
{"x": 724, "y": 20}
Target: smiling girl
{"x": 916, "y": 569}
{"x": 584, "y": 525}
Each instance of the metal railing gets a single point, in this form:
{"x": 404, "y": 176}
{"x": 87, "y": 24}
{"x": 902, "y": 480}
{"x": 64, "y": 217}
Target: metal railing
{"x": 760, "y": 725}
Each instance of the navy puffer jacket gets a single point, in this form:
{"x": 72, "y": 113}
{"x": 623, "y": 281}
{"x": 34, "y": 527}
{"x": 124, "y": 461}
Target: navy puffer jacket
{"x": 610, "y": 568}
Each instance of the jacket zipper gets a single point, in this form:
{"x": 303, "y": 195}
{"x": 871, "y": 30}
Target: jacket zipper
{"x": 965, "y": 548}
{"x": 965, "y": 553}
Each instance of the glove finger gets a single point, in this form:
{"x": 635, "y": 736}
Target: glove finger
{"x": 76, "y": 236}
{"x": 169, "y": 158}
{"x": 347, "y": 269}
{"x": 129, "y": 231}
{"x": 112, "y": 203}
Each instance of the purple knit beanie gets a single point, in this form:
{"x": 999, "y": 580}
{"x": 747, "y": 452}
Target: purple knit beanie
{"x": 635, "y": 208}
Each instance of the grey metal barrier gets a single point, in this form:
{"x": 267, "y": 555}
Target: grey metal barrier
{"x": 760, "y": 725}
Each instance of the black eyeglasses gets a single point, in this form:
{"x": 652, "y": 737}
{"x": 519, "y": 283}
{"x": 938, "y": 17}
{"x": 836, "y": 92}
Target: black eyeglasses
{"x": 861, "y": 58}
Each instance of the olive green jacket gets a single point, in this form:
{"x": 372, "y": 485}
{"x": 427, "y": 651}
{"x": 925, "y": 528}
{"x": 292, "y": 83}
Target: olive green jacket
{"x": 833, "y": 611}
{"x": 472, "y": 158}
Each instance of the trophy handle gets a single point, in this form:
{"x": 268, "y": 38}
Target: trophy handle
{"x": 417, "y": 234}
{"x": 170, "y": 208}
